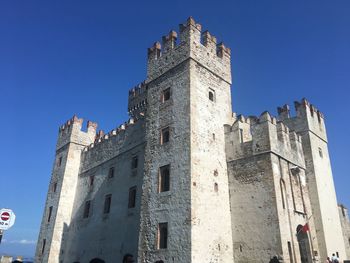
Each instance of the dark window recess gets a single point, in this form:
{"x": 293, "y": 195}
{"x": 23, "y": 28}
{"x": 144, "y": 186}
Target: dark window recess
{"x": 59, "y": 161}
{"x": 320, "y": 152}
{"x": 165, "y": 135}
{"x": 132, "y": 197}
{"x": 43, "y": 247}
{"x": 111, "y": 172}
{"x": 87, "y": 209}
{"x": 49, "y": 215}
{"x": 241, "y": 135}
{"x": 107, "y": 205}
{"x": 134, "y": 162}
{"x": 211, "y": 95}
{"x": 216, "y": 187}
{"x": 91, "y": 181}
{"x": 54, "y": 187}
{"x": 162, "y": 235}
{"x": 166, "y": 95}
{"x": 164, "y": 178}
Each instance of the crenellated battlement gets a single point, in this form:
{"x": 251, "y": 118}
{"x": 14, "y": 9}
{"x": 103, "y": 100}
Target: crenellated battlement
{"x": 202, "y": 47}
{"x": 71, "y": 131}
{"x": 117, "y": 141}
{"x": 102, "y": 137}
{"x": 137, "y": 102}
{"x": 259, "y": 134}
{"x": 308, "y": 117}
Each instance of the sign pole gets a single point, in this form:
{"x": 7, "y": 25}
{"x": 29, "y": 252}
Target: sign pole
{"x": 1, "y": 233}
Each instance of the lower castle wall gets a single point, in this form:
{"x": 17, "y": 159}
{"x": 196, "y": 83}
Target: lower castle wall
{"x": 107, "y": 235}
{"x": 267, "y": 205}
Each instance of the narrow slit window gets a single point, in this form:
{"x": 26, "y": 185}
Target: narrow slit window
{"x": 134, "y": 162}
{"x": 211, "y": 95}
{"x": 320, "y": 152}
{"x": 87, "y": 209}
{"x": 54, "y": 187}
{"x": 166, "y": 95}
{"x": 165, "y": 135}
{"x": 111, "y": 172}
{"x": 164, "y": 178}
{"x": 91, "y": 181}
{"x": 43, "y": 247}
{"x": 59, "y": 162}
{"x": 241, "y": 135}
{"x": 162, "y": 235}
{"x": 107, "y": 204}
{"x": 132, "y": 197}
{"x": 49, "y": 215}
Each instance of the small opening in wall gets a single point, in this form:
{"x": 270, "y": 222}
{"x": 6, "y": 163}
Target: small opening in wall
{"x": 166, "y": 94}
{"x": 216, "y": 187}
{"x": 216, "y": 173}
{"x": 320, "y": 152}
{"x": 211, "y": 95}
{"x": 132, "y": 197}
{"x": 54, "y": 187}
{"x": 240, "y": 248}
{"x": 164, "y": 178}
{"x": 107, "y": 204}
{"x": 111, "y": 172}
{"x": 214, "y": 136}
{"x": 87, "y": 209}
{"x": 43, "y": 247}
{"x": 165, "y": 135}
{"x": 91, "y": 181}
{"x": 134, "y": 162}
{"x": 241, "y": 139}
{"x": 50, "y": 213}
{"x": 162, "y": 235}
{"x": 59, "y": 161}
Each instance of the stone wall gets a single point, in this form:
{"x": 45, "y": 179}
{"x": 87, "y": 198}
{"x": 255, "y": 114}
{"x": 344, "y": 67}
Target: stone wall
{"x": 345, "y": 224}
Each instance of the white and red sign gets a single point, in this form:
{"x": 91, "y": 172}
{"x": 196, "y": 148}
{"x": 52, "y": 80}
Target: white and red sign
{"x": 7, "y": 218}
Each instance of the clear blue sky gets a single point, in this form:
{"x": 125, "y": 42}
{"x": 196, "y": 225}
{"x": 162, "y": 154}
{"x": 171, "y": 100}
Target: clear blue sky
{"x": 58, "y": 58}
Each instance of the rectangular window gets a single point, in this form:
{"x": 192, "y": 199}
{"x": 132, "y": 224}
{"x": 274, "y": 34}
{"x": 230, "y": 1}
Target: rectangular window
{"x": 166, "y": 95}
{"x": 134, "y": 162}
{"x": 162, "y": 235}
{"x": 241, "y": 135}
{"x": 54, "y": 187}
{"x": 132, "y": 197}
{"x": 49, "y": 215}
{"x": 87, "y": 209}
{"x": 91, "y": 181}
{"x": 164, "y": 178}
{"x": 320, "y": 152}
{"x": 43, "y": 247}
{"x": 59, "y": 162}
{"x": 111, "y": 172}
{"x": 165, "y": 135}
{"x": 211, "y": 95}
{"x": 107, "y": 205}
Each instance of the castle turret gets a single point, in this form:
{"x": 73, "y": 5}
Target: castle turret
{"x": 185, "y": 204}
{"x": 309, "y": 124}
{"x": 58, "y": 208}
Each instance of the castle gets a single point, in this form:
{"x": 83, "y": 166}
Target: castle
{"x": 187, "y": 180}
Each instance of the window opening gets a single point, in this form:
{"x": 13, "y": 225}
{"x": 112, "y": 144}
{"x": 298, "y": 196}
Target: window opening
{"x": 165, "y": 135}
{"x": 132, "y": 197}
{"x": 107, "y": 204}
{"x": 134, "y": 162}
{"x": 111, "y": 172}
{"x": 162, "y": 235}
{"x": 43, "y": 247}
{"x": 166, "y": 95}
{"x": 164, "y": 178}
{"x": 49, "y": 215}
{"x": 87, "y": 209}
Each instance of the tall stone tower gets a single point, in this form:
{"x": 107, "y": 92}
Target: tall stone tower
{"x": 185, "y": 203}
{"x": 61, "y": 193}
{"x": 309, "y": 123}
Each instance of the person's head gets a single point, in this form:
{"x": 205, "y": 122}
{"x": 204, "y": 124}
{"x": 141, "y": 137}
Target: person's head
{"x": 159, "y": 261}
{"x": 333, "y": 254}
{"x": 128, "y": 258}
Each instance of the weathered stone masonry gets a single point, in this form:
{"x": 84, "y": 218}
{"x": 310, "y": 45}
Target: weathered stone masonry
{"x": 185, "y": 180}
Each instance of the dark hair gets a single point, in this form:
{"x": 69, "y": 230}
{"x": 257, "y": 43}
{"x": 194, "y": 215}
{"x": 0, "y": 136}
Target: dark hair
{"x": 159, "y": 261}
{"x": 97, "y": 260}
{"x": 126, "y": 256}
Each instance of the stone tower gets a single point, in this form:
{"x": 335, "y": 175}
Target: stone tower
{"x": 309, "y": 123}
{"x": 59, "y": 202}
{"x": 185, "y": 191}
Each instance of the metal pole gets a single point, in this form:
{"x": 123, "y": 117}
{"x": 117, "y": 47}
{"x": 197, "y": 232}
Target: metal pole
{"x": 1, "y": 232}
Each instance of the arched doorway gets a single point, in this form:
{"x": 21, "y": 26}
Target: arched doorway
{"x": 304, "y": 245}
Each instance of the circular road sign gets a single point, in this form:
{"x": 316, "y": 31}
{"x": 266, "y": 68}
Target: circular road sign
{"x": 7, "y": 219}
